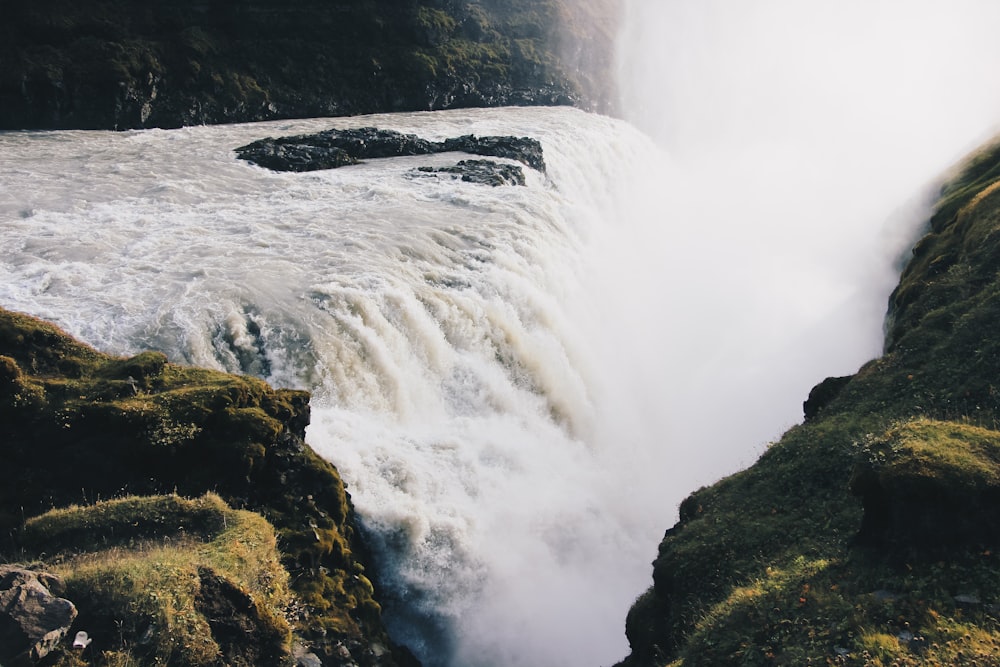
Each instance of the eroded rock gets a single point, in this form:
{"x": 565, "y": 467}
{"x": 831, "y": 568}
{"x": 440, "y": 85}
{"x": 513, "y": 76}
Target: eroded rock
{"x": 33, "y": 619}
{"x": 483, "y": 172}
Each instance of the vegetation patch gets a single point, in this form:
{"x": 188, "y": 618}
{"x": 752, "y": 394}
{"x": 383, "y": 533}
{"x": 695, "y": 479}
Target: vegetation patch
{"x": 160, "y": 580}
{"x": 78, "y": 427}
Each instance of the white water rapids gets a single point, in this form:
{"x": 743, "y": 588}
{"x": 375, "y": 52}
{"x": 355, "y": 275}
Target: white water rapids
{"x": 519, "y": 384}
{"x": 451, "y": 334}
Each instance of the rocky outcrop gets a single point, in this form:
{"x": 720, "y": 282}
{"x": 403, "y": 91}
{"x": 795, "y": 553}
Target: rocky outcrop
{"x": 337, "y": 148}
{"x": 869, "y": 533}
{"x": 116, "y": 64}
{"x": 821, "y": 395}
{"x": 483, "y": 172}
{"x": 929, "y": 486}
{"x": 33, "y": 619}
{"x": 77, "y": 426}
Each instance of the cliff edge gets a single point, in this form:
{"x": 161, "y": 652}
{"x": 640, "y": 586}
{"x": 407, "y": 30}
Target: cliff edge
{"x": 190, "y": 522}
{"x": 869, "y": 534}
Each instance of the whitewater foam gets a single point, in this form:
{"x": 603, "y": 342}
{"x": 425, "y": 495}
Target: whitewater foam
{"x": 446, "y": 330}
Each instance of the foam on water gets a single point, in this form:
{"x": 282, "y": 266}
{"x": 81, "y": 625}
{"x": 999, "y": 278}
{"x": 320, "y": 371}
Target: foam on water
{"x": 448, "y": 331}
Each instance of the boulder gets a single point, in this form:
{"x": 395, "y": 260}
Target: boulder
{"x": 338, "y": 148}
{"x": 483, "y": 172}
{"x": 822, "y": 394}
{"x": 928, "y": 486}
{"x": 523, "y": 149}
{"x": 33, "y": 620}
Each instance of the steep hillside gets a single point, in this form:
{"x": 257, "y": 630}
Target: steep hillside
{"x": 118, "y": 64}
{"x": 869, "y": 534}
{"x": 78, "y": 427}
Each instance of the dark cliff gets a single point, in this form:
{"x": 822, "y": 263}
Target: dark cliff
{"x": 868, "y": 535}
{"x": 114, "y": 64}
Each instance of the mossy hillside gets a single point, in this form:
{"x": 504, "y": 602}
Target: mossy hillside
{"x": 77, "y": 426}
{"x": 120, "y": 64}
{"x": 167, "y": 580}
{"x": 868, "y": 534}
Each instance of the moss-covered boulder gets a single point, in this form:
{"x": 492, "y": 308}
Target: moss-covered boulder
{"x": 166, "y": 580}
{"x": 78, "y": 427}
{"x": 868, "y": 535}
{"x": 930, "y": 486}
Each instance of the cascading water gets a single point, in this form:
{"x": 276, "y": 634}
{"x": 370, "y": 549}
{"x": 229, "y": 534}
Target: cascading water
{"x": 519, "y": 384}
{"x": 447, "y": 330}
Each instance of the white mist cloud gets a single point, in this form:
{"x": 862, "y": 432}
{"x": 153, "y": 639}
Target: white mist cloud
{"x": 802, "y": 139}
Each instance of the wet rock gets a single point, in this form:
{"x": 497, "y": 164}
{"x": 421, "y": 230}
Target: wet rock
{"x": 338, "y": 148}
{"x": 484, "y": 172}
{"x": 523, "y": 149}
{"x": 33, "y": 620}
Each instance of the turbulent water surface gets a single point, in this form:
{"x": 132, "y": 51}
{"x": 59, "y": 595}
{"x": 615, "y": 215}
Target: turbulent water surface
{"x": 461, "y": 342}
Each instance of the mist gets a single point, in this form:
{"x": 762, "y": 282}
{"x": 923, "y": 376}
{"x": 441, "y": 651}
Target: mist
{"x": 802, "y": 144}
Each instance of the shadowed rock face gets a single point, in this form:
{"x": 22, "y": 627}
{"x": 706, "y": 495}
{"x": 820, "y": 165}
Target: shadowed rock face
{"x": 116, "y": 64}
{"x": 33, "y": 620}
{"x": 483, "y": 172}
{"x": 338, "y": 148}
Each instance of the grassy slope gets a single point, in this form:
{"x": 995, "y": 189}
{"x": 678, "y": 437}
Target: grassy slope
{"x": 78, "y": 426}
{"x": 868, "y": 534}
{"x": 164, "y": 580}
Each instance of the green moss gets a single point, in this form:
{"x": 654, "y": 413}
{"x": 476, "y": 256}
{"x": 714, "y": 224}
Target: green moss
{"x": 150, "y": 576}
{"x": 78, "y": 426}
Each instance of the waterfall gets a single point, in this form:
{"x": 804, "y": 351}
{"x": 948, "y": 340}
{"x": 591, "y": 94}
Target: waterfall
{"x": 520, "y": 384}
{"x": 469, "y": 349}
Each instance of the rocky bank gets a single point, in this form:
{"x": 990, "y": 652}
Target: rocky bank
{"x": 868, "y": 535}
{"x": 114, "y": 64}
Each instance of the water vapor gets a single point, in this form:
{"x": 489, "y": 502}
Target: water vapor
{"x": 803, "y": 141}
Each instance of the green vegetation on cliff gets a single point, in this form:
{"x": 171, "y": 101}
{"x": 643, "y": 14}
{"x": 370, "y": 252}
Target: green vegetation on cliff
{"x": 119, "y": 64}
{"x": 78, "y": 427}
{"x": 868, "y": 535}
{"x": 188, "y": 582}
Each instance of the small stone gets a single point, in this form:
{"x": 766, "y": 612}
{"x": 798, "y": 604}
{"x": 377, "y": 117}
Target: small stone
{"x": 308, "y": 660}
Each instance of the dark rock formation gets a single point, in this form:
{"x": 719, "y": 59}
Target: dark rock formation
{"x": 523, "y": 149}
{"x": 928, "y": 487}
{"x": 235, "y": 621}
{"x": 120, "y": 64}
{"x": 822, "y": 394}
{"x": 484, "y": 172}
{"x": 338, "y": 148}
{"x": 33, "y": 620}
{"x": 331, "y": 149}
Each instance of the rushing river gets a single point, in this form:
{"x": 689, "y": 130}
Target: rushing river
{"x": 465, "y": 345}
